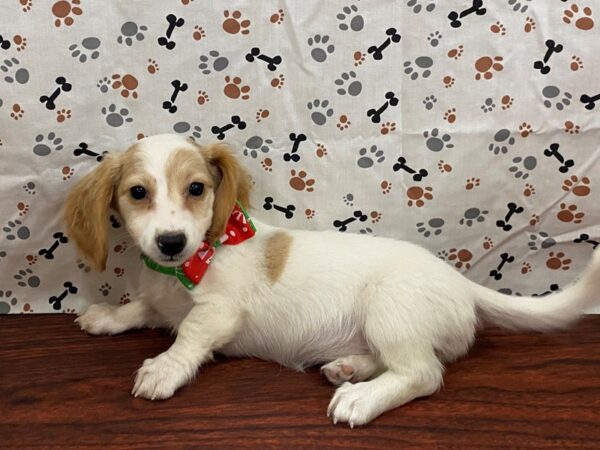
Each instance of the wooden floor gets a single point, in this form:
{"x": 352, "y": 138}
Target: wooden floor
{"x": 61, "y": 388}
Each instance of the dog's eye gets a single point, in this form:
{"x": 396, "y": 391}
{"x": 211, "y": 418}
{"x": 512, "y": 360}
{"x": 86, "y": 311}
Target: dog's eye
{"x": 138, "y": 192}
{"x": 196, "y": 189}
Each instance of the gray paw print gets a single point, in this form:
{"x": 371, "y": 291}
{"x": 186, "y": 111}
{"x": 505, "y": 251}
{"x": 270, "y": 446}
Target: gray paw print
{"x": 435, "y": 141}
{"x": 130, "y": 30}
{"x": 256, "y": 144}
{"x": 26, "y": 277}
{"x": 417, "y": 5}
{"x": 45, "y": 145}
{"x": 356, "y": 23}
{"x": 116, "y": 118}
{"x": 433, "y": 227}
{"x": 518, "y": 5}
{"x": 184, "y": 127}
{"x": 488, "y": 105}
{"x": 429, "y": 101}
{"x": 21, "y": 75}
{"x": 91, "y": 44}
{"x": 502, "y": 139}
{"x": 423, "y": 63}
{"x": 354, "y": 87}
{"x": 473, "y": 215}
{"x": 541, "y": 239}
{"x": 103, "y": 84}
{"x": 367, "y": 158}
{"x": 442, "y": 254}
{"x": 105, "y": 289}
{"x": 2, "y": 254}
{"x": 320, "y": 112}
{"x": 212, "y": 62}
{"x": 366, "y": 230}
{"x": 561, "y": 102}
{"x": 319, "y": 52}
{"x": 528, "y": 163}
{"x": 82, "y": 265}
{"x": 22, "y": 232}
{"x": 348, "y": 199}
{"x": 29, "y": 187}
{"x": 434, "y": 38}
{"x": 6, "y": 301}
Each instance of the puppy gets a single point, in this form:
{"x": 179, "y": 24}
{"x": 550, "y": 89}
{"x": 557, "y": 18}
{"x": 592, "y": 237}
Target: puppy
{"x": 383, "y": 316}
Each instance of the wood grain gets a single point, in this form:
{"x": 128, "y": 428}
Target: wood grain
{"x": 60, "y": 388}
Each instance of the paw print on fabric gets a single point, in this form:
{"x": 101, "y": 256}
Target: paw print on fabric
{"x": 387, "y": 128}
{"x": 437, "y": 141}
{"x": 64, "y": 10}
{"x": 448, "y": 81}
{"x": 67, "y": 172}
{"x": 535, "y": 219}
{"x": 11, "y": 67}
{"x": 367, "y": 158}
{"x": 15, "y": 229}
{"x": 46, "y": 144}
{"x": 31, "y": 259}
{"x": 119, "y": 272}
{"x": 450, "y": 115}
{"x": 320, "y": 111}
{"x": 348, "y": 84}
{"x": 277, "y": 18}
{"x": 529, "y": 25}
{"x": 309, "y": 213}
{"x": 526, "y": 268}
{"x": 261, "y": 114}
{"x": 185, "y": 127}
{"x": 256, "y": 144}
{"x": 581, "y": 18}
{"x": 348, "y": 199}
{"x": 152, "y": 67}
{"x": 456, "y": 52}
{"x": 26, "y": 278}
{"x": 7, "y": 300}
{"x": 17, "y": 112}
{"x": 444, "y": 167}
{"x": 359, "y": 58}
{"x": 429, "y": 101}
{"x": 568, "y": 213}
{"x": 116, "y": 118}
{"x": 571, "y": 128}
{"x": 23, "y": 208}
{"x": 502, "y": 140}
{"x": 127, "y": 84}
{"x": 320, "y": 50}
{"x": 234, "y": 24}
{"x": 121, "y": 247}
{"x": 267, "y": 164}
{"x": 421, "y": 66}
{"x": 525, "y": 129}
{"x": 498, "y": 28}
{"x": 418, "y": 195}
{"x": 540, "y": 240}
{"x": 103, "y": 84}
{"x": 130, "y": 31}
{"x": 234, "y": 88}
{"x": 461, "y": 258}
{"x": 488, "y": 243}
{"x": 321, "y": 151}
{"x": 26, "y": 5}
{"x": 557, "y": 261}
{"x": 488, "y": 105}
{"x": 433, "y": 227}
{"x": 472, "y": 183}
{"x": 519, "y": 5}
{"x": 506, "y": 101}
{"x": 386, "y": 187}
{"x": 576, "y": 63}
{"x": 88, "y": 48}
{"x": 29, "y": 188}
{"x": 62, "y": 115}
{"x": 198, "y": 33}
{"x": 278, "y": 82}
{"x": 579, "y": 187}
{"x": 522, "y": 166}
{"x": 486, "y": 64}
{"x": 375, "y": 216}
{"x": 417, "y": 5}
{"x": 473, "y": 215}
{"x": 299, "y": 182}
{"x": 529, "y": 190}
{"x": 105, "y": 289}
{"x": 212, "y": 62}
{"x": 552, "y": 94}
{"x": 350, "y": 13}
{"x": 343, "y": 122}
{"x": 125, "y": 298}
{"x": 434, "y": 38}
{"x": 202, "y": 98}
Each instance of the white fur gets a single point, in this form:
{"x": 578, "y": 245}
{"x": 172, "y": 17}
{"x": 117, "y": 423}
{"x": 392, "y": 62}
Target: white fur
{"x": 389, "y": 309}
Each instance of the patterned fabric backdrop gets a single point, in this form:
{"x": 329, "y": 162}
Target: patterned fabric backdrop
{"x": 469, "y": 127}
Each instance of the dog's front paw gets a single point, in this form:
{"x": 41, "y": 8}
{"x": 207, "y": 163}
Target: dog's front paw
{"x": 99, "y": 319}
{"x": 353, "y": 404}
{"x": 160, "y": 377}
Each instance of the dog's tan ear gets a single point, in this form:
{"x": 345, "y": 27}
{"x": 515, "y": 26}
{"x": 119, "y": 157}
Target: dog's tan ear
{"x": 86, "y": 210}
{"x": 233, "y": 183}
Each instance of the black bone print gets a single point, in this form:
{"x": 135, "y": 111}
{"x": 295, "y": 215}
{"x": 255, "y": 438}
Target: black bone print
{"x": 377, "y": 50}
{"x": 288, "y": 211}
{"x": 476, "y": 8}
{"x": 589, "y": 101}
{"x": 178, "y": 87}
{"x": 552, "y": 47}
{"x": 512, "y": 209}
{"x": 4, "y": 43}
{"x": 114, "y": 222}
{"x": 584, "y": 237}
{"x": 56, "y": 301}
{"x": 174, "y": 22}
{"x": 59, "y": 238}
{"x": 342, "y": 225}
{"x": 63, "y": 86}
{"x": 296, "y": 140}
{"x": 375, "y": 114}
{"x": 417, "y": 175}
{"x": 272, "y": 61}
{"x": 236, "y": 121}
{"x": 553, "y": 151}
{"x": 504, "y": 258}
{"x": 553, "y": 288}
{"x": 83, "y": 149}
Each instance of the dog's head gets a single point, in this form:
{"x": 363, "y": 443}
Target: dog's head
{"x": 172, "y": 194}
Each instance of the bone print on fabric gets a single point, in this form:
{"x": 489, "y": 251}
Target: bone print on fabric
{"x": 469, "y": 127}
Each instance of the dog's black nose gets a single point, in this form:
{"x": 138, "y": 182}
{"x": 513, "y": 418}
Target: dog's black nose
{"x": 171, "y": 243}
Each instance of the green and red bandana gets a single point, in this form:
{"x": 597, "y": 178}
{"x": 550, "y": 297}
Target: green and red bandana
{"x": 238, "y": 229}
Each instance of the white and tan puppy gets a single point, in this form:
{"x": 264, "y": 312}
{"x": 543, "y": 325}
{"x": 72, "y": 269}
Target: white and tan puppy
{"x": 382, "y": 315}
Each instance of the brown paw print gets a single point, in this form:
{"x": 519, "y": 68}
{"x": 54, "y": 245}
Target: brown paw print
{"x": 198, "y": 33}
{"x": 529, "y": 190}
{"x": 64, "y": 10}
{"x": 462, "y": 258}
{"x": 202, "y": 98}
{"x": 234, "y": 23}
{"x": 581, "y": 188}
{"x": 571, "y": 128}
{"x": 121, "y": 247}
{"x": 486, "y": 64}
{"x": 535, "y": 219}
{"x": 119, "y": 271}
{"x": 267, "y": 164}
{"x": 234, "y": 89}
{"x": 387, "y": 127}
{"x": 20, "y": 42}
{"x": 17, "y": 112}
{"x": 277, "y": 18}
{"x": 321, "y": 151}
{"x": 140, "y": 136}
{"x": 125, "y": 298}
{"x": 456, "y": 53}
{"x": 444, "y": 167}
{"x": 359, "y": 58}
{"x": 525, "y": 129}
{"x": 526, "y": 268}
{"x": 472, "y": 183}
{"x": 450, "y": 115}
{"x": 386, "y": 187}
{"x": 506, "y": 101}
{"x": 310, "y": 213}
{"x": 375, "y": 216}
{"x": 152, "y": 66}
{"x": 27, "y": 308}
{"x": 261, "y": 114}
{"x": 576, "y": 63}
{"x": 558, "y": 261}
{"x": 26, "y": 5}
{"x": 31, "y": 259}
{"x": 62, "y": 115}
{"x": 343, "y": 122}
{"x": 126, "y": 83}
{"x": 448, "y": 81}
{"x": 583, "y": 18}
{"x": 487, "y": 243}
{"x": 568, "y": 213}
{"x": 278, "y": 81}
{"x": 23, "y": 208}
{"x": 498, "y": 28}
{"x": 299, "y": 182}
{"x": 67, "y": 172}
{"x": 417, "y": 195}
{"x": 529, "y": 25}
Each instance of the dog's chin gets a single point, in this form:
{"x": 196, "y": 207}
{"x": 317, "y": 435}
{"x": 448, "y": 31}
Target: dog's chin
{"x": 170, "y": 261}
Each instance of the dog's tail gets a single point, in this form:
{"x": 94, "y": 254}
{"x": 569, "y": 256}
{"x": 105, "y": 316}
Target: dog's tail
{"x": 542, "y": 313}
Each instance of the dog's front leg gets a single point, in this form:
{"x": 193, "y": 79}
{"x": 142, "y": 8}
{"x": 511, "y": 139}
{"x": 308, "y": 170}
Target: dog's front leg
{"x": 104, "y": 318}
{"x": 206, "y": 328}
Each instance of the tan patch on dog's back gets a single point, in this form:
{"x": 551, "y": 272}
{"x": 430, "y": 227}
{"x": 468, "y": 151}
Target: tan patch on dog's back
{"x": 277, "y": 250}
